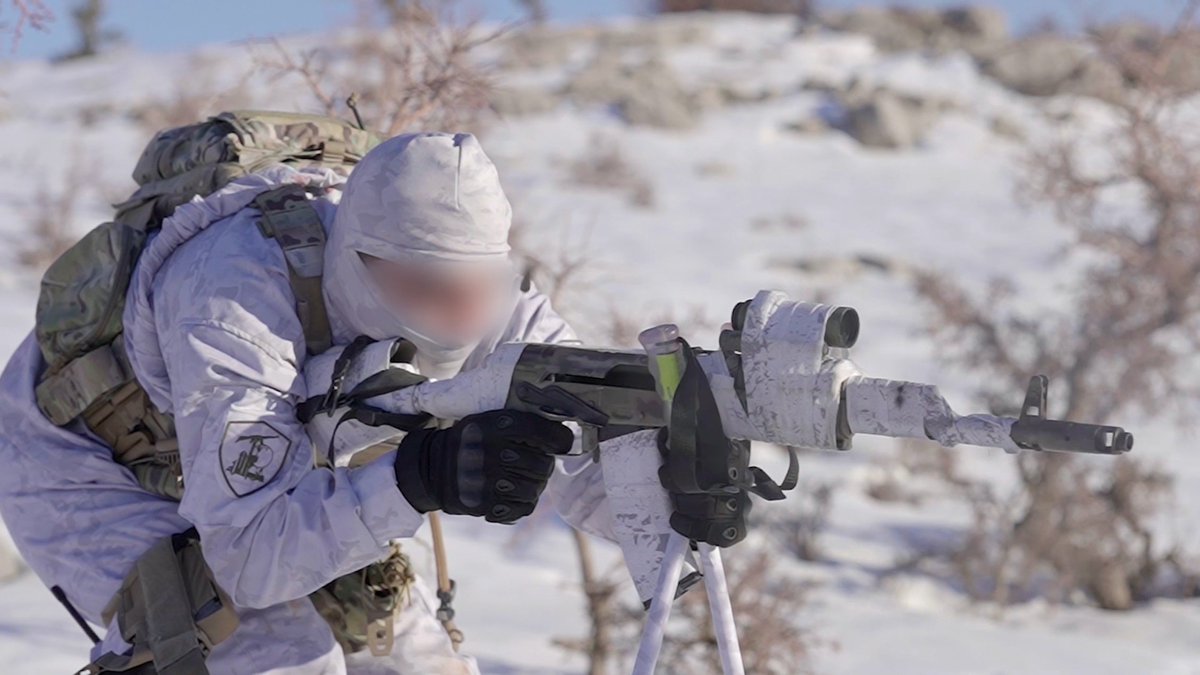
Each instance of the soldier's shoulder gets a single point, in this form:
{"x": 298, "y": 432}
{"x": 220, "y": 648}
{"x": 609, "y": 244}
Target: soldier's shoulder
{"x": 227, "y": 266}
{"x": 234, "y": 240}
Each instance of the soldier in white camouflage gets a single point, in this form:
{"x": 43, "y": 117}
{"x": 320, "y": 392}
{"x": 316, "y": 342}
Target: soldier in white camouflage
{"x": 417, "y": 249}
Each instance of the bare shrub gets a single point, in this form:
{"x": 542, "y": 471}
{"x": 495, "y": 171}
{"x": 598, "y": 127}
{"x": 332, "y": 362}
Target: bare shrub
{"x": 605, "y": 166}
{"x": 766, "y": 602}
{"x": 789, "y": 222}
{"x": 798, "y": 524}
{"x": 556, "y": 277}
{"x": 916, "y": 471}
{"x": 88, "y": 17}
{"x": 695, "y": 323}
{"x": 536, "y": 11}
{"x": 202, "y": 95}
{"x": 1146, "y": 54}
{"x": 560, "y": 270}
{"x": 600, "y": 591}
{"x": 644, "y": 91}
{"x": 1127, "y": 343}
{"x": 411, "y": 66}
{"x": 49, "y": 218}
{"x": 1095, "y": 540}
{"x": 29, "y": 14}
{"x": 802, "y": 8}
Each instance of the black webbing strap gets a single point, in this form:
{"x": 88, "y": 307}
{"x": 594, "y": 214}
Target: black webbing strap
{"x": 702, "y": 458}
{"x": 383, "y": 382}
{"x": 289, "y": 218}
{"x": 375, "y": 417}
{"x": 766, "y": 487}
{"x": 333, "y": 398}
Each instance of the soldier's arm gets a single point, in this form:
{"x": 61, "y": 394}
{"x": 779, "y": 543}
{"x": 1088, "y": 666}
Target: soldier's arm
{"x": 273, "y": 527}
{"x": 577, "y": 488}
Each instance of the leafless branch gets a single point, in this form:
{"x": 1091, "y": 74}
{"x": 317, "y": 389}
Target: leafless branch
{"x": 29, "y": 14}
{"x": 412, "y": 64}
{"x": 1127, "y": 343}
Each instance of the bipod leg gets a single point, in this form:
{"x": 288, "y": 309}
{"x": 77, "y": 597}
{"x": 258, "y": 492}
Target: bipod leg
{"x": 721, "y": 609}
{"x": 660, "y": 605}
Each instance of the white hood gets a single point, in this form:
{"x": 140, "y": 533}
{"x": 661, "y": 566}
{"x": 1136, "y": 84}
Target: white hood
{"x": 417, "y": 197}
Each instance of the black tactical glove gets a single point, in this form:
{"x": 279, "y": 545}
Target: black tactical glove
{"x": 715, "y": 518}
{"x": 493, "y": 464}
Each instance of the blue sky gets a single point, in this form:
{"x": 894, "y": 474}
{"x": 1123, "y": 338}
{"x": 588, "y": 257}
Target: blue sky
{"x": 170, "y": 25}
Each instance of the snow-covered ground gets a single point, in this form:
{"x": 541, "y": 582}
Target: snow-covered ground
{"x": 738, "y": 201}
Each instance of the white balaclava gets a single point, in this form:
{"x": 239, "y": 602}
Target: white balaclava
{"x": 422, "y": 197}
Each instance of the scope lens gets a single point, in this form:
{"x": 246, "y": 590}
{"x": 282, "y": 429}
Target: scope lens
{"x": 841, "y": 328}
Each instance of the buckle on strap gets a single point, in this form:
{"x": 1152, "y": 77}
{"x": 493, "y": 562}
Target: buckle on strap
{"x": 333, "y": 151}
{"x": 289, "y": 218}
{"x": 67, "y": 393}
{"x": 341, "y": 368}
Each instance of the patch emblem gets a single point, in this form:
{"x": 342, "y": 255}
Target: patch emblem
{"x": 251, "y": 455}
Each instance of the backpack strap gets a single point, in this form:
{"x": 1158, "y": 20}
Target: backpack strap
{"x": 64, "y": 395}
{"x": 291, "y": 220}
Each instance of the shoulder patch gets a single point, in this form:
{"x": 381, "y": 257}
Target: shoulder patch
{"x": 251, "y": 455}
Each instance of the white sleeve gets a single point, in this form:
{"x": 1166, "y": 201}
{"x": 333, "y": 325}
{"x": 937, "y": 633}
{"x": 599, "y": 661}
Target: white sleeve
{"x": 577, "y": 487}
{"x": 273, "y": 527}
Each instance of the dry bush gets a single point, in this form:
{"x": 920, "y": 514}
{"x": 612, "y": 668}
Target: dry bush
{"x": 557, "y": 277}
{"x": 49, "y": 217}
{"x": 559, "y": 271}
{"x": 602, "y": 608}
{"x": 604, "y": 165}
{"x": 788, "y": 222}
{"x": 766, "y": 602}
{"x": 88, "y": 17}
{"x": 1126, "y": 344}
{"x": 695, "y": 324}
{"x": 411, "y": 66}
{"x": 914, "y": 472}
{"x": 798, "y": 524}
{"x": 554, "y": 275}
{"x": 1081, "y": 531}
{"x": 202, "y": 95}
{"x": 1146, "y": 55}
{"x": 536, "y": 11}
{"x": 28, "y": 14}
{"x": 801, "y": 8}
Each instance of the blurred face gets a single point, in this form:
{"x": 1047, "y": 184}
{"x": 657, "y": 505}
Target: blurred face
{"x": 456, "y": 302}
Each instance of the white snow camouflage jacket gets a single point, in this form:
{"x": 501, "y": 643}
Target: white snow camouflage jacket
{"x": 213, "y": 335}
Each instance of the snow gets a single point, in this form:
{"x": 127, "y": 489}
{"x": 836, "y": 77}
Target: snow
{"x": 947, "y": 204}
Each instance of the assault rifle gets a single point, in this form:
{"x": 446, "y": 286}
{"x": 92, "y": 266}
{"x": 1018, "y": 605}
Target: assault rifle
{"x": 782, "y": 374}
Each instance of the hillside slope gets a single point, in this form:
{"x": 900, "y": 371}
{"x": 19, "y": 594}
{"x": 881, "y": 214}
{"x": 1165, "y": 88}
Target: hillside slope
{"x": 738, "y": 201}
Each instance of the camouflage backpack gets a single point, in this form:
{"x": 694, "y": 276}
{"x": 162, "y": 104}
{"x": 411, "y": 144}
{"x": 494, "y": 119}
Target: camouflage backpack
{"x": 82, "y": 299}
{"x": 82, "y": 296}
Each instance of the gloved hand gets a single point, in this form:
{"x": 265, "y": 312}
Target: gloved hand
{"x": 715, "y": 518}
{"x": 374, "y": 365}
{"x": 493, "y": 464}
